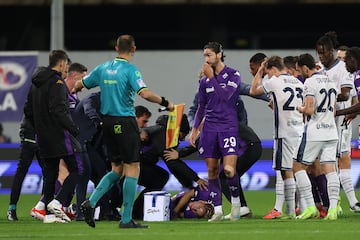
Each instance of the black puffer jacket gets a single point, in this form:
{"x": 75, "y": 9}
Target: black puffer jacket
{"x": 47, "y": 107}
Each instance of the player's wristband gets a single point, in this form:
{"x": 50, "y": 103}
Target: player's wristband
{"x": 164, "y": 102}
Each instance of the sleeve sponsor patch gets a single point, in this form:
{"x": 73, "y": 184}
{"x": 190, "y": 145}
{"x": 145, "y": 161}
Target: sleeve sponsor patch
{"x": 141, "y": 83}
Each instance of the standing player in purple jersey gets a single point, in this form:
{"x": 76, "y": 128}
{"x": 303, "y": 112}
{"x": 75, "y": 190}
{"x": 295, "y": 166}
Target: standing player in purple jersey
{"x": 218, "y": 94}
{"x": 285, "y": 92}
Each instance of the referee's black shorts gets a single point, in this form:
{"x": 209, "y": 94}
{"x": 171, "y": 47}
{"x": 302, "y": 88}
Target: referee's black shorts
{"x": 122, "y": 138}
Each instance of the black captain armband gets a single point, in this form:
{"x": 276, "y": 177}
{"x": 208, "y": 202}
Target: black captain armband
{"x": 164, "y": 102}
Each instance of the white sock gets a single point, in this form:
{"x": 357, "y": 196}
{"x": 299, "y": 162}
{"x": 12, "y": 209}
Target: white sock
{"x": 347, "y": 185}
{"x": 333, "y": 186}
{"x": 304, "y": 185}
{"x": 289, "y": 190}
{"x": 279, "y": 191}
{"x": 218, "y": 209}
{"x": 235, "y": 200}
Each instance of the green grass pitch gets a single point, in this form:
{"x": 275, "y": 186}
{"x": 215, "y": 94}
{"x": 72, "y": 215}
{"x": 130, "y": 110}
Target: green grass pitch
{"x": 260, "y": 202}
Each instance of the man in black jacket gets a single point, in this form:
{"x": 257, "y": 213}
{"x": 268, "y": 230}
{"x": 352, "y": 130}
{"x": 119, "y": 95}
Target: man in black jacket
{"x": 47, "y": 107}
{"x": 28, "y": 150}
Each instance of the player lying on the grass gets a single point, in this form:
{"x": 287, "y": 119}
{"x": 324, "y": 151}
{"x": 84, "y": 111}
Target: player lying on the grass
{"x": 191, "y": 204}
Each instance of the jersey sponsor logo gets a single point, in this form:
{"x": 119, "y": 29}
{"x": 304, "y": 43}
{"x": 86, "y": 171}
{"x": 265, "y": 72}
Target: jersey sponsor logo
{"x": 232, "y": 84}
{"x": 231, "y": 150}
{"x": 111, "y": 72}
{"x": 324, "y": 125}
{"x": 110, "y": 81}
{"x": 208, "y": 90}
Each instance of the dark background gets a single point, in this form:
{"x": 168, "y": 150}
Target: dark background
{"x": 181, "y": 26}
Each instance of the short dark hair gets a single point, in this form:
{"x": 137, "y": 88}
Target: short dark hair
{"x": 307, "y": 60}
{"x": 343, "y": 48}
{"x": 355, "y": 53}
{"x": 275, "y": 61}
{"x": 125, "y": 43}
{"x": 141, "y": 111}
{"x": 328, "y": 40}
{"x": 290, "y": 61}
{"x": 77, "y": 67}
{"x": 56, "y": 56}
{"x": 257, "y": 58}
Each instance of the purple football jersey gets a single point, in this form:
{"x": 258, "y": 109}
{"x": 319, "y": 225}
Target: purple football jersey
{"x": 357, "y": 82}
{"x": 217, "y": 100}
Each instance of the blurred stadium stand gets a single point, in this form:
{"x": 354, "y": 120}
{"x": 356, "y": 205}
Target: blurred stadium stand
{"x": 104, "y": 2}
{"x": 179, "y": 24}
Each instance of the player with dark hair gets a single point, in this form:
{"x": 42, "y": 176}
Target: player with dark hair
{"x": 28, "y": 150}
{"x": 336, "y": 71}
{"x": 47, "y": 107}
{"x": 218, "y": 94}
{"x": 317, "y": 142}
{"x": 352, "y": 62}
{"x": 191, "y": 204}
{"x": 341, "y": 52}
{"x": 285, "y": 91}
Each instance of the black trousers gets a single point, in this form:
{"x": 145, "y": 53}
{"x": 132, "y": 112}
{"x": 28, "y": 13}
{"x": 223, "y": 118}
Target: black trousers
{"x": 51, "y": 173}
{"x": 28, "y": 151}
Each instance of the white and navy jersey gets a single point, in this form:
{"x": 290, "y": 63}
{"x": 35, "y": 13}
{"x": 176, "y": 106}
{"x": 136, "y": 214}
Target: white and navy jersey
{"x": 321, "y": 126}
{"x": 338, "y": 73}
{"x": 286, "y": 93}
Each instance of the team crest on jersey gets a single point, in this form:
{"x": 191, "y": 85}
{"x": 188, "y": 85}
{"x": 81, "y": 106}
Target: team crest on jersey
{"x": 59, "y": 81}
{"x": 212, "y": 194}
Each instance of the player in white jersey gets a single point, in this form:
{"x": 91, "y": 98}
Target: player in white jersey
{"x": 336, "y": 70}
{"x": 320, "y": 136}
{"x": 285, "y": 92}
